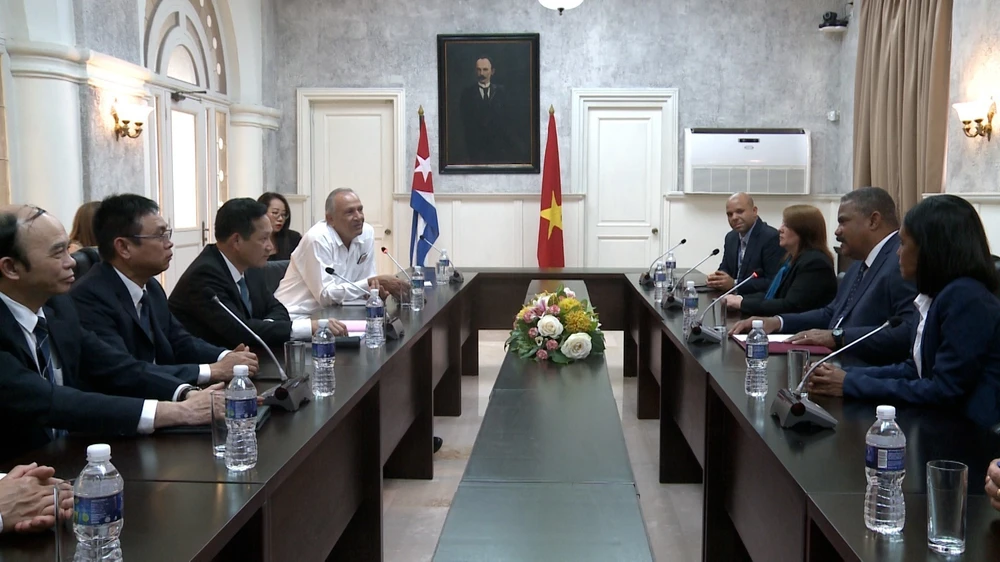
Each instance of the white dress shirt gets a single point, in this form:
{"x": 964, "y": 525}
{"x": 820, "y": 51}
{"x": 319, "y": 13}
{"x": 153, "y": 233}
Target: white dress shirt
{"x": 28, "y": 319}
{"x": 136, "y": 292}
{"x": 307, "y": 287}
{"x": 923, "y": 303}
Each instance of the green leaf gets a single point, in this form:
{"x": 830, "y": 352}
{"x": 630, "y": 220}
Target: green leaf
{"x": 597, "y": 344}
{"x": 557, "y": 357}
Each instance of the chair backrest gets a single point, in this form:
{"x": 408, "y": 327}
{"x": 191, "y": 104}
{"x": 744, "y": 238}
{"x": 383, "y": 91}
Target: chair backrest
{"x": 274, "y": 272}
{"x": 85, "y": 259}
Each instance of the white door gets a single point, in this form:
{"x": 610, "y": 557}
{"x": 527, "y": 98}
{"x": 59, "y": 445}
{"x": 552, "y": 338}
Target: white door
{"x": 354, "y": 146}
{"x": 628, "y": 160}
{"x": 186, "y": 199}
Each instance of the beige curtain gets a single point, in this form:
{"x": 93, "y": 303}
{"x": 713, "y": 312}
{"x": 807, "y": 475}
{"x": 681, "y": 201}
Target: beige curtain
{"x": 901, "y": 97}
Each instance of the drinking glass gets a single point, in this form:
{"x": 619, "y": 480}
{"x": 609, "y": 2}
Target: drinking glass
{"x": 295, "y": 358}
{"x": 219, "y": 429}
{"x": 947, "y": 487}
{"x": 798, "y": 361}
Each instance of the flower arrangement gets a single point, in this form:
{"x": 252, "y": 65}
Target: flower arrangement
{"x": 556, "y": 327}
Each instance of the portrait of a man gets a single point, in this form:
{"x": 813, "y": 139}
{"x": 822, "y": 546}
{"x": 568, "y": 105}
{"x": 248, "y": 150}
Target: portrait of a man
{"x": 489, "y": 103}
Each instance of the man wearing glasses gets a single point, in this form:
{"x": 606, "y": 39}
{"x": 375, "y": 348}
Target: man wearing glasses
{"x": 56, "y": 375}
{"x": 122, "y": 302}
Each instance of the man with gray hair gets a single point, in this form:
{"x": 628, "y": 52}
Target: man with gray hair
{"x": 345, "y": 242}
{"x": 872, "y": 291}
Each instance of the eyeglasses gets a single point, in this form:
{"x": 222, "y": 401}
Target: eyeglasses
{"x": 278, "y": 214}
{"x": 165, "y": 235}
{"x": 37, "y": 212}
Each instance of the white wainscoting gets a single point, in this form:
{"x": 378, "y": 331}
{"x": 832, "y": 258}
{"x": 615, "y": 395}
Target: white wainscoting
{"x": 988, "y": 205}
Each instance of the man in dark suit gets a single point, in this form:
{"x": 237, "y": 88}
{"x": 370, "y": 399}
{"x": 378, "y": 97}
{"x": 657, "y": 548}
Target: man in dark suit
{"x": 751, "y": 247}
{"x": 56, "y": 375}
{"x": 121, "y": 301}
{"x": 485, "y": 118}
{"x": 230, "y": 269}
{"x": 872, "y": 291}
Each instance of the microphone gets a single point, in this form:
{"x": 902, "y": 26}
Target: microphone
{"x": 456, "y": 277}
{"x": 645, "y": 280}
{"x": 671, "y": 302}
{"x": 210, "y": 295}
{"x": 333, "y": 272}
{"x": 386, "y": 252}
{"x": 700, "y": 334}
{"x": 792, "y": 409}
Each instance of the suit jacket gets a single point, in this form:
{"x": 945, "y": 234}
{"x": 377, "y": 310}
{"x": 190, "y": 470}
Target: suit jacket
{"x": 209, "y": 322}
{"x": 809, "y": 282}
{"x": 102, "y": 392}
{"x": 486, "y": 127}
{"x": 882, "y": 294}
{"x": 284, "y": 244}
{"x": 960, "y": 358}
{"x": 763, "y": 255}
{"x": 106, "y": 309}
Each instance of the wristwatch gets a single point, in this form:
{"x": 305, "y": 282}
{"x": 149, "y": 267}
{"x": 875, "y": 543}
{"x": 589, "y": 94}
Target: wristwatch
{"x": 838, "y": 337}
{"x": 184, "y": 393}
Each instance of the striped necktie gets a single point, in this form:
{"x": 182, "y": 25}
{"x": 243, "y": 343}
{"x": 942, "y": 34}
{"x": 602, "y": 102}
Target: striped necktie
{"x": 42, "y": 353}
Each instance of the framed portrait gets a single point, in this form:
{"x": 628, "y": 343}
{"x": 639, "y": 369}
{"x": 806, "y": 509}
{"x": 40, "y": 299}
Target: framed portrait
{"x": 488, "y": 98}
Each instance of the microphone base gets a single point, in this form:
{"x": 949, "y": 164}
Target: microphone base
{"x": 289, "y": 395}
{"x": 793, "y": 411}
{"x": 706, "y": 335}
{"x": 646, "y": 280}
{"x": 456, "y": 278}
{"x": 394, "y": 329}
{"x": 672, "y": 304}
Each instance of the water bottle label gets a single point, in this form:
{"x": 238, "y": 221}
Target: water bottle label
{"x": 98, "y": 511}
{"x": 444, "y": 263}
{"x": 671, "y": 265}
{"x": 241, "y": 409}
{"x": 885, "y": 459}
{"x": 324, "y": 350}
{"x": 756, "y": 351}
{"x": 376, "y": 312}
{"x": 691, "y": 302}
{"x": 660, "y": 276}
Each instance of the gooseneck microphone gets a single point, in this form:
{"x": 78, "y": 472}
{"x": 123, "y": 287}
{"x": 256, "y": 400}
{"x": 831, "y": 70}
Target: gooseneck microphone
{"x": 671, "y": 301}
{"x": 386, "y": 252}
{"x": 726, "y": 294}
{"x": 644, "y": 279}
{"x": 210, "y": 295}
{"x": 892, "y": 322}
{"x": 456, "y": 277}
{"x": 333, "y": 272}
{"x": 699, "y": 333}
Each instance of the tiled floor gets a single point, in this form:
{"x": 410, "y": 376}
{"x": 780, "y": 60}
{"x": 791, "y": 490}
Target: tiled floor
{"x": 415, "y": 510}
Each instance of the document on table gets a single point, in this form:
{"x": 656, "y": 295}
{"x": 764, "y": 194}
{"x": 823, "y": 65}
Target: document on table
{"x": 355, "y": 327}
{"x": 771, "y": 338}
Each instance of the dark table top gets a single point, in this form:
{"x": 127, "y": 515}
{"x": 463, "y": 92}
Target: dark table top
{"x": 158, "y": 523}
{"x": 523, "y": 522}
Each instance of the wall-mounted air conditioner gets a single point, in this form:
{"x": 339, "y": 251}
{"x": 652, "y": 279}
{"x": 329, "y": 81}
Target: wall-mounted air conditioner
{"x": 757, "y": 161}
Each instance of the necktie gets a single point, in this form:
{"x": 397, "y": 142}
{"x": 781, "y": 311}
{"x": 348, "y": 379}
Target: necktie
{"x": 739, "y": 258}
{"x": 485, "y": 93}
{"x": 853, "y": 292}
{"x": 144, "y": 313}
{"x": 42, "y": 353}
{"x": 245, "y": 294}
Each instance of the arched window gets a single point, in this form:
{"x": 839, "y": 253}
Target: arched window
{"x": 184, "y": 45}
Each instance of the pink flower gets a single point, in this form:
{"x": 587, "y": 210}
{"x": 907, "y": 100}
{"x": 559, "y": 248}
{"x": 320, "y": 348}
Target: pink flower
{"x": 552, "y": 345}
{"x": 527, "y": 315}
{"x": 553, "y": 309}
{"x": 542, "y": 355}
{"x": 533, "y": 332}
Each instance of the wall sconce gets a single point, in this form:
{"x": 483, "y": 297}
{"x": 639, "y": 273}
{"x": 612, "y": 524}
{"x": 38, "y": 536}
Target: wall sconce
{"x": 977, "y": 118}
{"x": 560, "y": 5}
{"x": 129, "y": 118}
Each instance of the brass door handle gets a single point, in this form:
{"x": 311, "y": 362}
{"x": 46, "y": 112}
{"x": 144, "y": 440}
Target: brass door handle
{"x": 388, "y": 232}
{"x": 656, "y": 230}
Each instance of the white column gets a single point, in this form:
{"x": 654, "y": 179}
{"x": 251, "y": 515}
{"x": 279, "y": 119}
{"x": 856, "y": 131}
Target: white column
{"x": 246, "y": 148}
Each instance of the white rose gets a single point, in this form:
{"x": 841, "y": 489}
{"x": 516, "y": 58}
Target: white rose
{"x": 550, "y": 326}
{"x": 569, "y": 293}
{"x": 577, "y": 346}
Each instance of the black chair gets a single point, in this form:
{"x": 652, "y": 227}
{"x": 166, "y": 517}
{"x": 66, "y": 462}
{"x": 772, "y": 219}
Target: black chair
{"x": 85, "y": 259}
{"x": 996, "y": 263}
{"x": 274, "y": 272}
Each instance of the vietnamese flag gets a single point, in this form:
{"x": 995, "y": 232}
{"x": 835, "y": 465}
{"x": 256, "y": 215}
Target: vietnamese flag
{"x": 550, "y": 225}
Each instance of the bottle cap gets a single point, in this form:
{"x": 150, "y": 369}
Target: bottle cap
{"x": 323, "y": 323}
{"x": 690, "y": 284}
{"x": 757, "y": 324}
{"x": 659, "y": 264}
{"x": 885, "y": 412}
{"x": 241, "y": 371}
{"x": 99, "y": 452}
{"x": 374, "y": 292}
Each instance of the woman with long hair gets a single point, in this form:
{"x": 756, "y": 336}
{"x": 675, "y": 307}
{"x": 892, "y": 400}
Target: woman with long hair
{"x": 956, "y": 345}
{"x": 82, "y": 233}
{"x": 282, "y": 236}
{"x": 806, "y": 279}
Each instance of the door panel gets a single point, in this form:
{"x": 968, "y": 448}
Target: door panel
{"x": 185, "y": 201}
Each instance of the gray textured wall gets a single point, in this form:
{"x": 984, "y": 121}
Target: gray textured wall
{"x": 109, "y": 166}
{"x": 848, "y": 63}
{"x": 110, "y": 27}
{"x": 271, "y": 60}
{"x": 737, "y": 63}
{"x": 974, "y": 164}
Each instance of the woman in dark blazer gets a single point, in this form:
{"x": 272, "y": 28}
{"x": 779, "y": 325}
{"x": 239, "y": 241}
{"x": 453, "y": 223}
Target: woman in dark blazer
{"x": 956, "y": 346}
{"x": 284, "y": 238}
{"x": 806, "y": 279}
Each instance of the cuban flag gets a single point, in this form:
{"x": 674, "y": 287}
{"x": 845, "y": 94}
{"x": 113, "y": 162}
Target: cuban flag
{"x": 425, "y": 218}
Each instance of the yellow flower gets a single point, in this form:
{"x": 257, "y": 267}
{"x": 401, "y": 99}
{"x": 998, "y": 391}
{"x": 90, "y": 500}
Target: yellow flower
{"x": 567, "y": 304}
{"x": 577, "y": 321}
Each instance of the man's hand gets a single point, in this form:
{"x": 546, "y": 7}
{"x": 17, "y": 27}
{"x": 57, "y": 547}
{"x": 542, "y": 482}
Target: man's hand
{"x": 720, "y": 281}
{"x": 734, "y": 302}
{"x": 26, "y": 498}
{"x": 196, "y": 410}
{"x": 771, "y": 325}
{"x": 992, "y": 486}
{"x": 222, "y": 371}
{"x": 814, "y": 337}
{"x": 336, "y": 326}
{"x": 389, "y": 285}
{"x": 827, "y": 380}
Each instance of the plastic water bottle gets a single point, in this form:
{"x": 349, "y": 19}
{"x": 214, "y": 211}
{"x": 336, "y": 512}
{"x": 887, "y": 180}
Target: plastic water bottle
{"x": 323, "y": 381}
{"x": 659, "y": 282}
{"x": 690, "y": 307}
{"x": 443, "y": 268}
{"x": 375, "y": 328}
{"x": 417, "y": 289}
{"x": 757, "y": 352}
{"x": 241, "y": 420}
{"x": 98, "y": 507}
{"x": 671, "y": 266}
{"x": 885, "y": 467}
